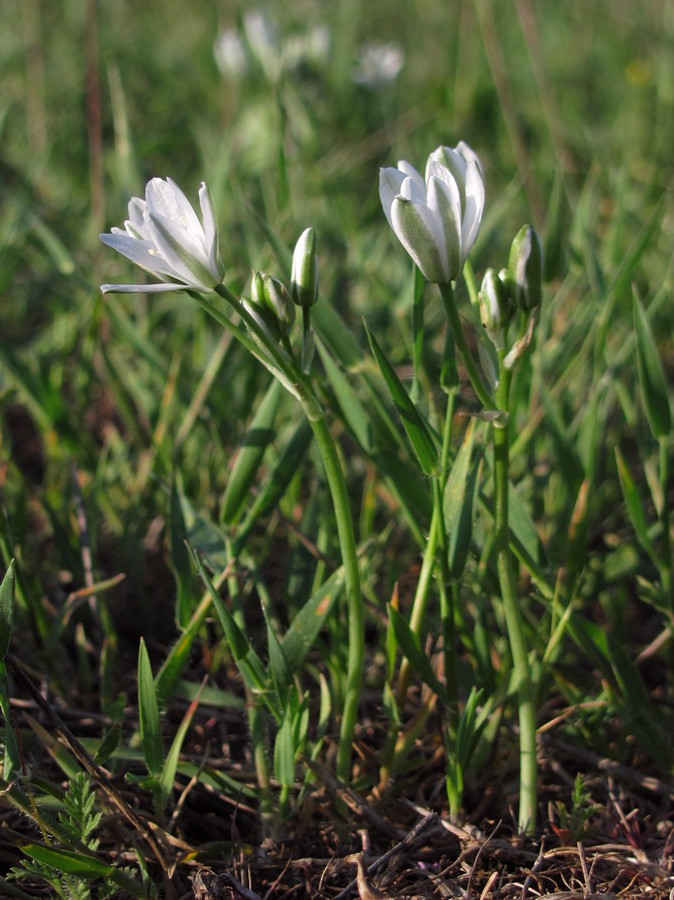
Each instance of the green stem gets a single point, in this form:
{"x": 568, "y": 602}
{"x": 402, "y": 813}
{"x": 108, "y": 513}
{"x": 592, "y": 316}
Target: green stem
{"x": 285, "y": 367}
{"x": 447, "y": 293}
{"x": 666, "y": 572}
{"x": 518, "y": 648}
{"x": 356, "y": 643}
{"x": 434, "y": 546}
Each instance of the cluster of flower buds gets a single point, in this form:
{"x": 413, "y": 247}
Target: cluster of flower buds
{"x": 272, "y": 304}
{"x": 517, "y": 287}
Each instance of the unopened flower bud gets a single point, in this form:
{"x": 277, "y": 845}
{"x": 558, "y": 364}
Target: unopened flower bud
{"x": 304, "y": 277}
{"x": 525, "y": 269}
{"x": 272, "y": 295}
{"x": 495, "y": 308}
{"x": 266, "y": 321}
{"x": 278, "y": 300}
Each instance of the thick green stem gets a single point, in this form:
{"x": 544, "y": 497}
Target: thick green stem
{"x": 522, "y": 671}
{"x": 447, "y": 293}
{"x": 356, "y": 642}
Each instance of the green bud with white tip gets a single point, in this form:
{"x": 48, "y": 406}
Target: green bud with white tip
{"x": 304, "y": 277}
{"x": 525, "y": 269}
{"x": 495, "y": 306}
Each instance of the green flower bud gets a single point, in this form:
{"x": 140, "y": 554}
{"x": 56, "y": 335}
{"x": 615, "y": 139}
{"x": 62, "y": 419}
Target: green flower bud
{"x": 495, "y": 306}
{"x": 525, "y": 269}
{"x": 265, "y": 319}
{"x": 304, "y": 277}
{"x": 257, "y": 289}
{"x": 271, "y": 301}
{"x": 277, "y": 299}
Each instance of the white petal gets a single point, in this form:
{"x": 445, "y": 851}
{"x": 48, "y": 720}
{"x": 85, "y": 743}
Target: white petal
{"x": 473, "y": 208}
{"x": 390, "y": 180}
{"x": 443, "y": 200}
{"x": 164, "y": 198}
{"x": 142, "y": 253}
{"x": 141, "y": 288}
{"x": 468, "y": 154}
{"x": 192, "y": 267}
{"x": 420, "y": 232}
{"x": 412, "y": 173}
{"x": 175, "y": 243}
{"x": 450, "y": 160}
{"x": 411, "y": 189}
{"x": 211, "y": 230}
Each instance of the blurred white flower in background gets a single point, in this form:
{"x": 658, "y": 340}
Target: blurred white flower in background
{"x": 231, "y": 55}
{"x": 258, "y": 44}
{"x": 310, "y": 46}
{"x": 378, "y": 64}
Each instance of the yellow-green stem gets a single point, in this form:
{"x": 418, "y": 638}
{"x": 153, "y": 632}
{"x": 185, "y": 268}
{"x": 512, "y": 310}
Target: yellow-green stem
{"x": 285, "y": 367}
{"x": 447, "y": 293}
{"x": 356, "y": 641}
{"x": 666, "y": 574}
{"x": 522, "y": 671}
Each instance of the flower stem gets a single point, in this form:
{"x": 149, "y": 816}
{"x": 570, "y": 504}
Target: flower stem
{"x": 666, "y": 572}
{"x": 285, "y": 367}
{"x": 518, "y": 648}
{"x": 356, "y": 644}
{"x": 447, "y": 293}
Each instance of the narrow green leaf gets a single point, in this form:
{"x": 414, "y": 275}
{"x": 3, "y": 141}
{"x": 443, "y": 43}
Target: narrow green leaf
{"x": 175, "y": 662}
{"x": 68, "y": 861}
{"x": 651, "y": 376}
{"x": 284, "y": 751}
{"x": 352, "y": 409}
{"x": 247, "y": 661}
{"x": 418, "y": 432}
{"x": 305, "y": 626}
{"x": 148, "y": 714}
{"x": 180, "y": 558}
{"x": 249, "y": 456}
{"x": 168, "y": 773}
{"x": 281, "y": 672}
{"x": 277, "y": 483}
{"x": 635, "y": 507}
{"x": 458, "y": 503}
{"x": 12, "y": 760}
{"x": 412, "y": 651}
{"x": 418, "y": 329}
{"x": 7, "y": 598}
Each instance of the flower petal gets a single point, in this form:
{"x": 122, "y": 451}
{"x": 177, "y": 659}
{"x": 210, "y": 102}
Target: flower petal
{"x": 141, "y": 288}
{"x": 142, "y": 253}
{"x": 443, "y": 200}
{"x": 211, "y": 231}
{"x": 420, "y": 232}
{"x": 183, "y": 254}
{"x": 473, "y": 207}
{"x": 390, "y": 180}
{"x": 164, "y": 198}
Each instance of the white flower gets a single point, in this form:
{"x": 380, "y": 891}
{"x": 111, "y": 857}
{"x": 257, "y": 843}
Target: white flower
{"x": 165, "y": 238}
{"x": 230, "y": 54}
{"x": 264, "y": 42}
{"x": 436, "y": 219}
{"x": 378, "y": 64}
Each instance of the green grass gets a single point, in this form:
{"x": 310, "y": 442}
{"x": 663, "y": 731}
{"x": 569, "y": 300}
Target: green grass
{"x": 132, "y": 424}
